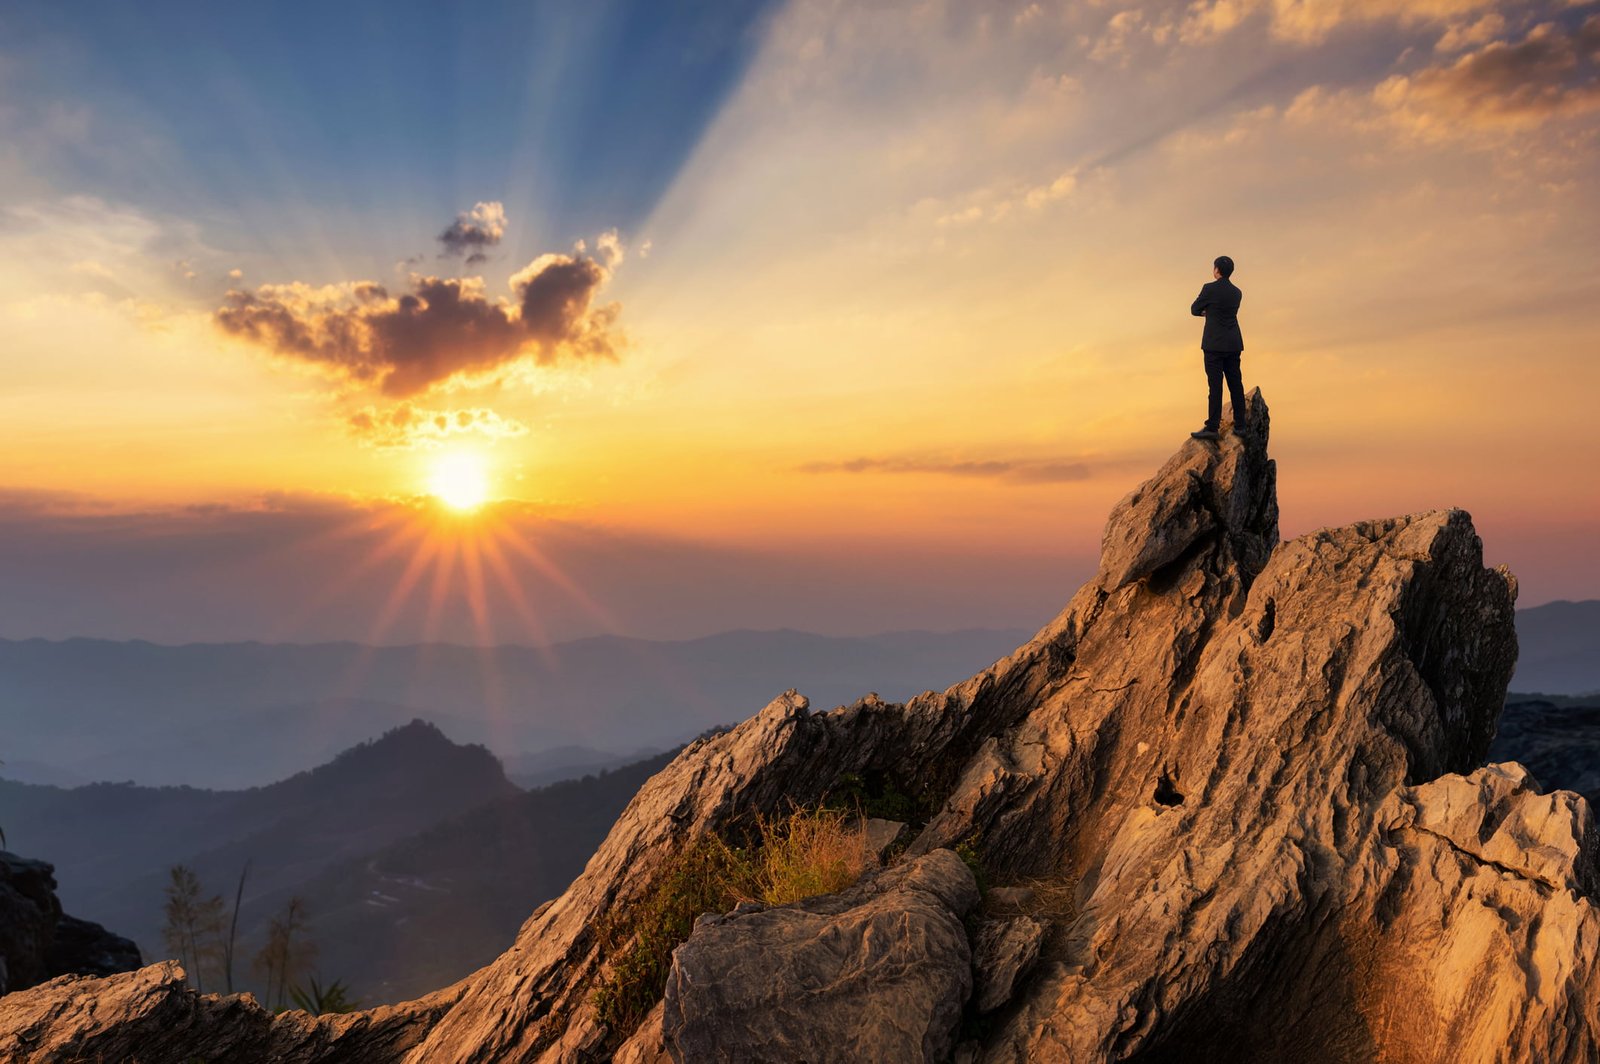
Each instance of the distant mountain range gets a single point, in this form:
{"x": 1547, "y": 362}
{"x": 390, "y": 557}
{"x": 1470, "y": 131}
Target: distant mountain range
{"x": 112, "y": 843}
{"x": 236, "y": 715}
{"x": 1559, "y": 649}
{"x": 418, "y": 859}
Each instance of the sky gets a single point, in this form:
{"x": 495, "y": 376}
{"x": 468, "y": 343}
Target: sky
{"x": 522, "y": 322}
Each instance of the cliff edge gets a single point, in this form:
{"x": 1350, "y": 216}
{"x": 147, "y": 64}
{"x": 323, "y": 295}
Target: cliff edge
{"x": 1230, "y": 804}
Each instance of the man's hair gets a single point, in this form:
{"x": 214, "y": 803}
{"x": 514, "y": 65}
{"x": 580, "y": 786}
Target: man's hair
{"x": 1224, "y": 266}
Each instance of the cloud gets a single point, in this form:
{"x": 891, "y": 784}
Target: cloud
{"x": 1550, "y": 73}
{"x": 998, "y": 203}
{"x": 475, "y": 231}
{"x": 556, "y": 292}
{"x": 1311, "y": 21}
{"x": 441, "y": 329}
{"x": 1471, "y": 34}
{"x": 409, "y": 425}
{"x": 1124, "y": 27}
{"x": 1010, "y": 471}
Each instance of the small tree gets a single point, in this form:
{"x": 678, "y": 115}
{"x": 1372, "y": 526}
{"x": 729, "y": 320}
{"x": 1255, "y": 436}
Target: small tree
{"x": 193, "y": 929}
{"x": 288, "y": 953}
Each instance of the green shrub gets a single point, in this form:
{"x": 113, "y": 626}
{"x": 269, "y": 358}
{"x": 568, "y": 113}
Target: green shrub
{"x": 639, "y": 940}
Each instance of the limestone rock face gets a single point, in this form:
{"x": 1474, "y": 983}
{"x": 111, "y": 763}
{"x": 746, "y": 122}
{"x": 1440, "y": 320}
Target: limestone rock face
{"x": 880, "y": 971}
{"x": 1238, "y": 784}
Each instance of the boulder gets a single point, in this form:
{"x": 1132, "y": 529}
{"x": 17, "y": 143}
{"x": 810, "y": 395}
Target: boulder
{"x": 880, "y": 971}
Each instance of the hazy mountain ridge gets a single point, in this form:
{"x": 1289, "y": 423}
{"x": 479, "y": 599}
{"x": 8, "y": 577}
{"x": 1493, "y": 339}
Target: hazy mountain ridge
{"x": 112, "y": 843}
{"x": 1559, "y": 648}
{"x": 229, "y": 714}
{"x": 430, "y": 908}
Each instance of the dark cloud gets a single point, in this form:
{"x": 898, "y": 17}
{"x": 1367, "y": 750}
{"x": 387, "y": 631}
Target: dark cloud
{"x": 443, "y": 327}
{"x": 475, "y": 231}
{"x": 1013, "y": 472}
{"x": 556, "y": 292}
{"x": 1549, "y": 73}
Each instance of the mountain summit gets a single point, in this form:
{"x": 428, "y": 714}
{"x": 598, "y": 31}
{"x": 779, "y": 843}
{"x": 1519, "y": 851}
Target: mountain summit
{"x": 1230, "y": 805}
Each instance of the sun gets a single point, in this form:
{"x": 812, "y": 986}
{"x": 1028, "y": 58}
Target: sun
{"x": 460, "y": 480}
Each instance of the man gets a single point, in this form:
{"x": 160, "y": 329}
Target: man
{"x": 1222, "y": 343}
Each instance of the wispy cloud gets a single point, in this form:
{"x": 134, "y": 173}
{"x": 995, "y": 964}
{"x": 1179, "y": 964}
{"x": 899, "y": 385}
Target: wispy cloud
{"x": 1016, "y": 472}
{"x": 1549, "y": 73}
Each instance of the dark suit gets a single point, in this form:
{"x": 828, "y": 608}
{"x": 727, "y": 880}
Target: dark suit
{"x": 1222, "y": 343}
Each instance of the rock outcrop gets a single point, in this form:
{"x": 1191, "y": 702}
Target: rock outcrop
{"x": 1235, "y": 790}
{"x": 38, "y": 941}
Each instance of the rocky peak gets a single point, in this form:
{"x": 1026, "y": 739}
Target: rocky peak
{"x": 1216, "y": 499}
{"x": 1231, "y": 797}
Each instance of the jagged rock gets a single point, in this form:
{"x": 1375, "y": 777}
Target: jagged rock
{"x": 38, "y": 941}
{"x": 648, "y": 1045}
{"x": 28, "y": 914}
{"x": 83, "y": 947}
{"x": 1002, "y": 952}
{"x": 1560, "y": 744}
{"x": 152, "y": 1015}
{"x": 1253, "y": 765}
{"x": 876, "y": 972}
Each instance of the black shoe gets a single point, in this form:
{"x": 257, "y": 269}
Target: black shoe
{"x": 1205, "y": 434}
{"x": 1241, "y": 430}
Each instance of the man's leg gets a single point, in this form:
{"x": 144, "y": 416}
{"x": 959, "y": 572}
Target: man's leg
{"x": 1230, "y": 368}
{"x": 1214, "y": 386}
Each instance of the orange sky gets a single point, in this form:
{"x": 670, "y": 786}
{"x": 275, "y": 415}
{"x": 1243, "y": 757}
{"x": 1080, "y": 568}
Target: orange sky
{"x": 921, "y": 285}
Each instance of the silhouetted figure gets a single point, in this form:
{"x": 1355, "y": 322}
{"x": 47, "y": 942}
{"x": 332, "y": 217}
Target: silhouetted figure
{"x": 1223, "y": 343}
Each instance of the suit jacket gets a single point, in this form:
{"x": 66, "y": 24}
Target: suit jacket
{"x": 1219, "y": 302}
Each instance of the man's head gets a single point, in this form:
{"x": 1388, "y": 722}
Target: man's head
{"x": 1223, "y": 267}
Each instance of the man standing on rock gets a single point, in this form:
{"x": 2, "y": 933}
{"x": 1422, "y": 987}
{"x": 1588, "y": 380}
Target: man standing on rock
{"x": 1222, "y": 343}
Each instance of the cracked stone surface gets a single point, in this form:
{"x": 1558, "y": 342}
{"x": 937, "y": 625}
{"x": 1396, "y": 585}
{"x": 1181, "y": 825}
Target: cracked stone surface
{"x": 1255, "y": 768}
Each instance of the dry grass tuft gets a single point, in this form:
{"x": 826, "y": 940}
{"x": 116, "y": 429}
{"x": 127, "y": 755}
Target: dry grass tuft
{"x": 809, "y": 852}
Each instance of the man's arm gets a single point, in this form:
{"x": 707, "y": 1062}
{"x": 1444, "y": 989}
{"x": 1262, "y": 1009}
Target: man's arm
{"x": 1198, "y": 308}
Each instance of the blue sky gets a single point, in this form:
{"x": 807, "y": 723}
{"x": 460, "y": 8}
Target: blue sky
{"x": 575, "y": 115}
